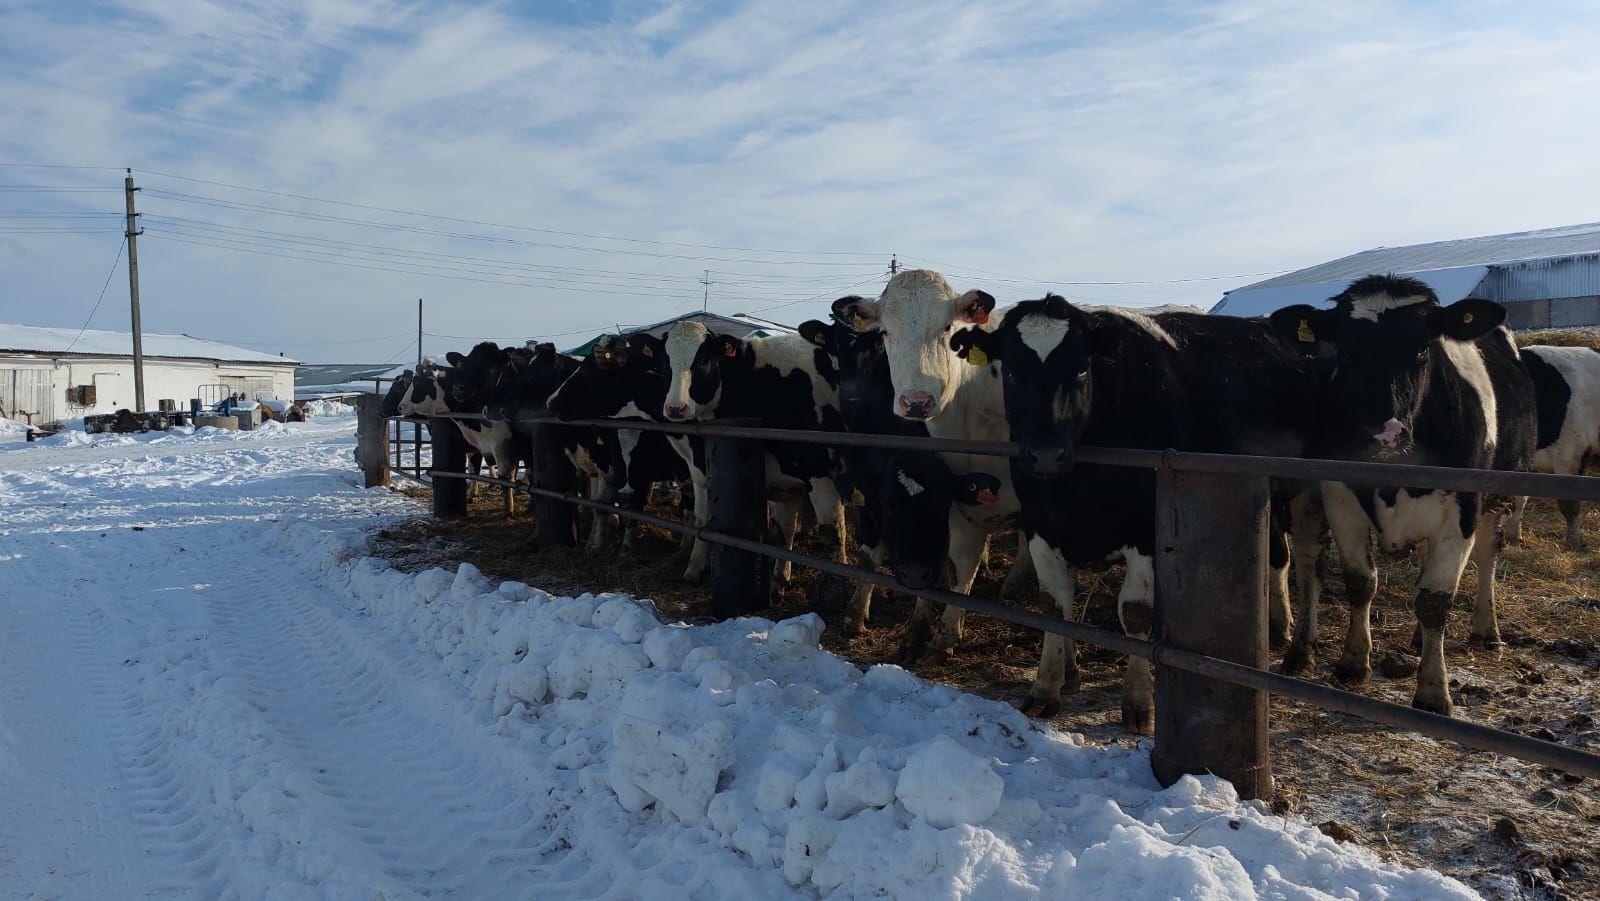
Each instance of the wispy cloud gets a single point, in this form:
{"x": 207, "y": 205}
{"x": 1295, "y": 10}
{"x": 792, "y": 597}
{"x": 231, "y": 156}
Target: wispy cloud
{"x": 1068, "y": 142}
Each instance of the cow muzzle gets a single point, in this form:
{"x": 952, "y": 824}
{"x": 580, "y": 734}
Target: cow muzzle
{"x": 915, "y": 405}
{"x": 675, "y": 410}
{"x": 1046, "y": 461}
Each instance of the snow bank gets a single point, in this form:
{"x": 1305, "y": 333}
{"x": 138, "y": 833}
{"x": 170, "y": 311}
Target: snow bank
{"x": 742, "y": 754}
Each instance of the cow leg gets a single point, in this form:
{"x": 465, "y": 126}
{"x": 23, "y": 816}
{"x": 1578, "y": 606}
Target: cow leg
{"x": 600, "y": 489}
{"x": 855, "y": 618}
{"x": 1447, "y": 557}
{"x": 1058, "y": 664}
{"x": 786, "y": 516}
{"x": 1485, "y": 548}
{"x": 1280, "y": 618}
{"x": 1017, "y": 578}
{"x": 474, "y": 463}
{"x": 1573, "y": 513}
{"x": 507, "y": 451}
{"x": 829, "y": 510}
{"x": 696, "y": 569}
{"x": 1352, "y": 531}
{"x": 1136, "y": 608}
{"x": 1513, "y": 530}
{"x": 928, "y": 638}
{"x": 1310, "y": 563}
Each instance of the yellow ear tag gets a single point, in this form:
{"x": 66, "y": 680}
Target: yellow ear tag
{"x": 857, "y": 498}
{"x": 977, "y": 357}
{"x": 648, "y": 351}
{"x": 858, "y": 322}
{"x": 1305, "y": 332}
{"x": 1466, "y": 318}
{"x": 819, "y": 339}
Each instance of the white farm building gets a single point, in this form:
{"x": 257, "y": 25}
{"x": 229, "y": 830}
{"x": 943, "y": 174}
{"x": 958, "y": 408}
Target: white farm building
{"x": 53, "y": 374}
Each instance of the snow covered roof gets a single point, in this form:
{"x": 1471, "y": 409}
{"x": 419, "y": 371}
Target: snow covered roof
{"x": 1446, "y": 264}
{"x": 30, "y": 339}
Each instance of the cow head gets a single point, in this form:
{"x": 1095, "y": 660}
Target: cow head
{"x": 915, "y": 315}
{"x": 918, "y": 490}
{"x": 1385, "y": 332}
{"x": 621, "y": 376}
{"x": 695, "y": 360}
{"x": 398, "y": 390}
{"x": 426, "y": 395}
{"x": 527, "y": 381}
{"x": 1048, "y": 348}
{"x": 853, "y": 356}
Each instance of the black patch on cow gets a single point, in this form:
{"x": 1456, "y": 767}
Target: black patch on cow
{"x": 1552, "y": 396}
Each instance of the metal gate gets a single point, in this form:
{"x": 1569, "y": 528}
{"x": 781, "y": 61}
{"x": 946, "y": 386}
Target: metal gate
{"x": 25, "y": 395}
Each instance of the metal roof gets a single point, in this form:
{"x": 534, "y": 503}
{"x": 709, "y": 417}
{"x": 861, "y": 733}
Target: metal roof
{"x": 55, "y": 342}
{"x": 738, "y": 324}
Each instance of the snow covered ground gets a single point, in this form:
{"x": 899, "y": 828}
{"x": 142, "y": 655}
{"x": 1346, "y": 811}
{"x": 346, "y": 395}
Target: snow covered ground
{"x": 208, "y": 690}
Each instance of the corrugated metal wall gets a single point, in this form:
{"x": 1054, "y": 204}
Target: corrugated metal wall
{"x": 1548, "y": 279}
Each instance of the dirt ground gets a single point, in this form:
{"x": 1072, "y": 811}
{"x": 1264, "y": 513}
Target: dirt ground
{"x": 1511, "y": 830}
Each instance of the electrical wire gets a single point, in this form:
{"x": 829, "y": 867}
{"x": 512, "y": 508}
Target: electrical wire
{"x": 97, "y": 300}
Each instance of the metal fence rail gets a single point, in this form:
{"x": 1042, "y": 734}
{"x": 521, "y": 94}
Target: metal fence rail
{"x": 1197, "y": 493}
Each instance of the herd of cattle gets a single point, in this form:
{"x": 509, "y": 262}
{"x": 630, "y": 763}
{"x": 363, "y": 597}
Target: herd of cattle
{"x": 1387, "y": 374}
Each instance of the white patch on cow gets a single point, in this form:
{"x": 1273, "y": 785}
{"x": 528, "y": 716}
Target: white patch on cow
{"x": 683, "y": 342}
{"x": 1410, "y": 520}
{"x": 1369, "y": 308}
{"x": 792, "y": 353}
{"x": 912, "y": 486}
{"x": 1467, "y": 358}
{"x": 1042, "y": 334}
{"x": 583, "y": 462}
{"x": 1579, "y": 367}
{"x": 1140, "y": 580}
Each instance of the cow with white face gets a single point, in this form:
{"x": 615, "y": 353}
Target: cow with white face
{"x": 1415, "y": 382}
{"x": 436, "y": 390}
{"x": 916, "y": 315}
{"x": 785, "y": 381}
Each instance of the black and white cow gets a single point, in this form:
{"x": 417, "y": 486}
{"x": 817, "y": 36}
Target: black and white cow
{"x": 441, "y": 390}
{"x": 1117, "y": 378}
{"x": 915, "y": 316}
{"x": 785, "y": 381}
{"x": 625, "y": 377}
{"x": 1566, "y": 387}
{"x": 1415, "y": 382}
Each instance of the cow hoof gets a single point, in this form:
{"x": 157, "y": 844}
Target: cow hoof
{"x": 853, "y": 628}
{"x": 694, "y": 577}
{"x": 1490, "y": 643}
{"x": 1278, "y": 637}
{"x": 1138, "y": 719}
{"x": 1575, "y": 547}
{"x": 1040, "y": 705}
{"x": 1297, "y": 660}
{"x": 1441, "y": 706}
{"x": 1352, "y": 674}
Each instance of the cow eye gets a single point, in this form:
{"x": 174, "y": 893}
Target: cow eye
{"x": 1422, "y": 355}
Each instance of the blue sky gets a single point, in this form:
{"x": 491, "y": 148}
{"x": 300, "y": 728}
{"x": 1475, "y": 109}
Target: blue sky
{"x": 1015, "y": 146}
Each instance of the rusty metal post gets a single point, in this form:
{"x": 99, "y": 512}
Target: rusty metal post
{"x": 372, "y": 440}
{"x": 741, "y": 581}
{"x": 1211, "y": 598}
{"x": 449, "y": 455}
{"x": 555, "y": 522}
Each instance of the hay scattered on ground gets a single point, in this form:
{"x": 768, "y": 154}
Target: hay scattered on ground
{"x": 1561, "y": 337}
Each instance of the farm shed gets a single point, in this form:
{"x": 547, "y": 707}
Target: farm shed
{"x": 1548, "y": 278}
{"x": 53, "y": 374}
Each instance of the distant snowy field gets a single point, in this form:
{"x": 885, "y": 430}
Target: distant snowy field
{"x": 208, "y": 690}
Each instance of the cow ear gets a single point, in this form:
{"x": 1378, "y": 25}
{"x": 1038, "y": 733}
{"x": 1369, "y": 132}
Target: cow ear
{"x": 816, "y": 332}
{"x": 1466, "y": 320}
{"x": 455, "y": 358}
{"x": 976, "y": 346}
{"x": 856, "y": 312}
{"x": 1305, "y": 324}
{"x": 974, "y": 307}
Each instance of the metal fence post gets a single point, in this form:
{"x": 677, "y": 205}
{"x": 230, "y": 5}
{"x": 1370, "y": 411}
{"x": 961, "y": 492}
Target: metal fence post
{"x": 372, "y": 440}
{"x": 555, "y": 522}
{"x": 741, "y": 581}
{"x": 1211, "y": 589}
{"x": 449, "y": 455}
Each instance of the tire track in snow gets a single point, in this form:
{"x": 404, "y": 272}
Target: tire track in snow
{"x": 417, "y": 806}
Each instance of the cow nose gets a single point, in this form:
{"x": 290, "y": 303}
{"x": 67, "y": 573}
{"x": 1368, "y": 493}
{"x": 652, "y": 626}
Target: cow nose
{"x": 912, "y": 575}
{"x": 1392, "y": 433}
{"x": 1046, "y": 462}
{"x": 676, "y": 410}
{"x": 916, "y": 405}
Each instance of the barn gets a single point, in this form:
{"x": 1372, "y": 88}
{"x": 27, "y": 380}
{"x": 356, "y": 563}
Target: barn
{"x": 1548, "y": 278}
{"x": 52, "y": 374}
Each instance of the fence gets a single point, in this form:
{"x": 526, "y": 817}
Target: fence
{"x": 1209, "y": 649}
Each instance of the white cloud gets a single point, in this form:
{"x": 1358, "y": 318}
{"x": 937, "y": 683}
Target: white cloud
{"x": 1066, "y": 142}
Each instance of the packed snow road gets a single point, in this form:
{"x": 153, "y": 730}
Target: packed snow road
{"x": 207, "y": 690}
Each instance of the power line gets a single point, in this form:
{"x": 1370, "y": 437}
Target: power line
{"x": 57, "y": 166}
{"x": 999, "y": 277}
{"x": 123, "y": 243}
{"x": 467, "y": 236}
{"x": 526, "y": 228}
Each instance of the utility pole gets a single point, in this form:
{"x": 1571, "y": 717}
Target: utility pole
{"x": 705, "y": 299}
{"x": 419, "y": 333}
{"x": 894, "y": 264}
{"x": 133, "y": 294}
